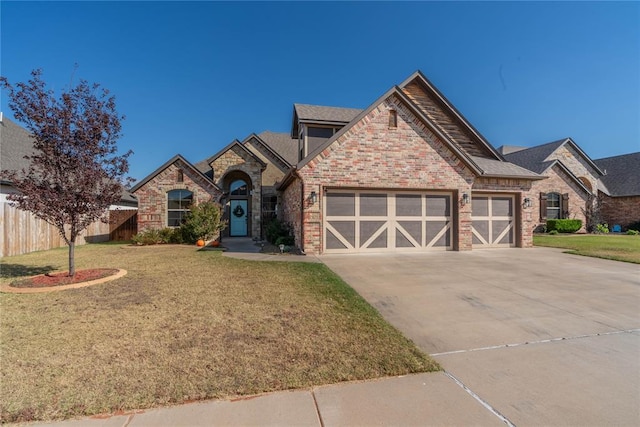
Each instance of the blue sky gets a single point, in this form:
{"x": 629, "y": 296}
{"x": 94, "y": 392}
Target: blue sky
{"x": 191, "y": 77}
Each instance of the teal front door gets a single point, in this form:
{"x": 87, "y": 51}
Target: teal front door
{"x": 238, "y": 218}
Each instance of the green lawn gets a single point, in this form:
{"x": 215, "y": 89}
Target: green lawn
{"x": 183, "y": 325}
{"x": 610, "y": 246}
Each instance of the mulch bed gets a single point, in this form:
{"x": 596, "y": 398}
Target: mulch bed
{"x": 60, "y": 279}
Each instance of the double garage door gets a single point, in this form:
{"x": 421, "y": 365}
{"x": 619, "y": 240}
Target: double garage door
{"x": 370, "y": 221}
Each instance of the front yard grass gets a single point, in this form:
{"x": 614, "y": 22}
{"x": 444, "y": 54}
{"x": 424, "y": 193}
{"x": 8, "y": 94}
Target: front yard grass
{"x": 609, "y": 246}
{"x": 183, "y": 325}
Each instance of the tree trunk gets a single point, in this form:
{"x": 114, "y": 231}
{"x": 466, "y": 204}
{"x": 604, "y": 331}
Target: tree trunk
{"x": 72, "y": 262}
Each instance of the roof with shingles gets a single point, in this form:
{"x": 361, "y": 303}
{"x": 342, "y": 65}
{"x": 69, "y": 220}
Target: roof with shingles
{"x": 16, "y": 142}
{"x": 622, "y": 176}
{"x": 534, "y": 158}
{"x": 491, "y": 167}
{"x": 283, "y": 144}
{"x": 166, "y": 165}
{"x": 319, "y": 113}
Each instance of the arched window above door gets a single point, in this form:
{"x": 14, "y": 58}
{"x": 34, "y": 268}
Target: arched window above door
{"x": 239, "y": 187}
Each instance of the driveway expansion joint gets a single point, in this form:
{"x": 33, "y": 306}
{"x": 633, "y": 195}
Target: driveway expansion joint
{"x": 480, "y": 400}
{"x": 315, "y": 403}
{"x": 550, "y": 340}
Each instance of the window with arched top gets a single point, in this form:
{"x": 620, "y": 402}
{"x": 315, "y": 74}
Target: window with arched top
{"x": 178, "y": 204}
{"x": 239, "y": 187}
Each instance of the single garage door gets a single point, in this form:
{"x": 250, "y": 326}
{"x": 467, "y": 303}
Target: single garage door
{"x": 493, "y": 221}
{"x": 369, "y": 221}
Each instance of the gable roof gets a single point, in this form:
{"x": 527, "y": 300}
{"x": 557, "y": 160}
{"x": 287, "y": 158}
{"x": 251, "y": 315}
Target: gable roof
{"x": 169, "y": 163}
{"x": 622, "y": 174}
{"x": 17, "y": 143}
{"x": 281, "y": 145}
{"x": 319, "y": 114}
{"x": 496, "y": 167}
{"x": 447, "y": 118}
{"x": 236, "y": 143}
{"x": 535, "y": 158}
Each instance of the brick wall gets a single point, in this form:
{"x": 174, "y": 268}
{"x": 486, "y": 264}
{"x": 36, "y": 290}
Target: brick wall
{"x": 373, "y": 155}
{"x": 622, "y": 211}
{"x": 577, "y": 165}
{"x": 559, "y": 182}
{"x": 152, "y": 197}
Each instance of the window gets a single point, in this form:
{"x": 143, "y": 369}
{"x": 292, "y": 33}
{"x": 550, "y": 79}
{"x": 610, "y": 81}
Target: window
{"x": 238, "y": 188}
{"x": 178, "y": 204}
{"x": 393, "y": 119}
{"x": 553, "y": 206}
{"x": 320, "y": 132}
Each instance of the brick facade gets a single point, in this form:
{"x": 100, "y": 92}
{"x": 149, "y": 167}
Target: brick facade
{"x": 373, "y": 155}
{"x": 559, "y": 181}
{"x": 152, "y": 196}
{"x": 621, "y": 211}
{"x": 578, "y": 165}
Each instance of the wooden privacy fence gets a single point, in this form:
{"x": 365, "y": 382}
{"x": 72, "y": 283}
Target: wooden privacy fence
{"x": 123, "y": 224}
{"x": 22, "y": 232}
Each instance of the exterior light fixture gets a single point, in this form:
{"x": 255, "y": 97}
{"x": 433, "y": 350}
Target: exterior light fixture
{"x": 465, "y": 198}
{"x": 313, "y": 198}
{"x": 526, "y": 203}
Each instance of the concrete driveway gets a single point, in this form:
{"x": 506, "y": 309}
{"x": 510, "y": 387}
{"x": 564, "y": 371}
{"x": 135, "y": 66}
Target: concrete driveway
{"x": 537, "y": 336}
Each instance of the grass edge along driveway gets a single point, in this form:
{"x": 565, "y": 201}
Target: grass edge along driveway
{"x": 618, "y": 247}
{"x": 183, "y": 325}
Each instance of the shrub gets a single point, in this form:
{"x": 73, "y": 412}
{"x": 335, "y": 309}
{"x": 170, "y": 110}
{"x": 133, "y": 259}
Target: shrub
{"x": 564, "y": 225}
{"x": 553, "y": 232}
{"x": 202, "y": 222}
{"x": 277, "y": 229}
{"x": 634, "y": 226}
{"x": 633, "y": 232}
{"x": 285, "y": 240}
{"x": 147, "y": 237}
{"x": 602, "y": 228}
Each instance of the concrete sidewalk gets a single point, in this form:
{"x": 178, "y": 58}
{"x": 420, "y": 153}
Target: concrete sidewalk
{"x": 249, "y": 249}
{"x": 411, "y": 400}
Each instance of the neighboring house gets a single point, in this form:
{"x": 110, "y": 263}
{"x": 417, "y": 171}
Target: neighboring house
{"x": 620, "y": 189}
{"x": 573, "y": 178}
{"x": 23, "y": 232}
{"x": 408, "y": 173}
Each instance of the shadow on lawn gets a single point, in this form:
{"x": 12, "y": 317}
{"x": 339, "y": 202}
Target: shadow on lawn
{"x": 20, "y": 270}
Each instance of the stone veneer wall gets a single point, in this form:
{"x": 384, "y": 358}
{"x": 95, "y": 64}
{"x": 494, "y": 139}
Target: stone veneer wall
{"x": 237, "y": 159}
{"x": 622, "y": 211}
{"x": 576, "y": 164}
{"x": 152, "y": 197}
{"x": 373, "y": 155}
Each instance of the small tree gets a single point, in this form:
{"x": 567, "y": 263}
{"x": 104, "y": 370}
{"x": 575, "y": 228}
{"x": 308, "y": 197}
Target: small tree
{"x": 75, "y": 172}
{"x": 202, "y": 222}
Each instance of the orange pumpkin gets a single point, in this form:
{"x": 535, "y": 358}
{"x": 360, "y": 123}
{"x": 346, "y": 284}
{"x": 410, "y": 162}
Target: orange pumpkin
{"x": 200, "y": 243}
{"x": 215, "y": 243}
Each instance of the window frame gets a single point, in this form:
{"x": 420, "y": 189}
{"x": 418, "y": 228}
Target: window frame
{"x": 184, "y": 206}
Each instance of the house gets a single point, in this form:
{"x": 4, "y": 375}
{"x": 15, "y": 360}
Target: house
{"x": 408, "y": 173}
{"x": 573, "y": 178}
{"x": 23, "y": 232}
{"x": 619, "y": 193}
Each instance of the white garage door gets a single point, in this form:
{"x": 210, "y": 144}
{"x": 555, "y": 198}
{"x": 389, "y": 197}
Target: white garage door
{"x": 492, "y": 220}
{"x": 368, "y": 221}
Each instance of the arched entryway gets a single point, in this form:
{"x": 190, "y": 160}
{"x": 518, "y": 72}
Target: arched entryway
{"x": 238, "y": 189}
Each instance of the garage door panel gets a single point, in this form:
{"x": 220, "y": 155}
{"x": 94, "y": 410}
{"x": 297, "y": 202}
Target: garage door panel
{"x": 438, "y": 233}
{"x": 501, "y": 206}
{"x": 408, "y": 205}
{"x": 341, "y": 204}
{"x": 373, "y": 204}
{"x": 493, "y": 220}
{"x": 438, "y": 205}
{"x": 386, "y": 221}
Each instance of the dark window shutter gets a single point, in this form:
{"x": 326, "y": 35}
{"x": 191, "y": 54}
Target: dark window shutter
{"x": 565, "y": 205}
{"x": 543, "y": 206}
